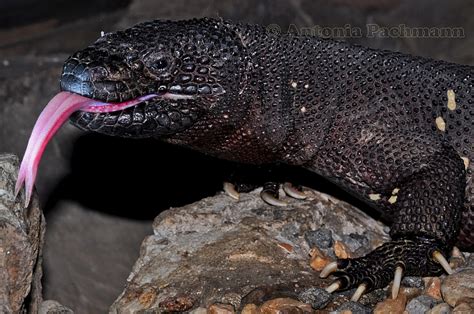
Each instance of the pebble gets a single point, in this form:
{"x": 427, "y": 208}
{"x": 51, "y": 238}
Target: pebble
{"x": 284, "y": 305}
{"x": 421, "y": 304}
{"x": 318, "y": 259}
{"x": 221, "y": 309}
{"x": 250, "y": 309}
{"x": 410, "y": 292}
{"x": 321, "y": 238}
{"x": 457, "y": 286}
{"x": 373, "y": 297}
{"x": 355, "y": 241}
{"x": 442, "y": 308}
{"x": 353, "y": 307}
{"x": 318, "y": 298}
{"x": 465, "y": 306}
{"x": 413, "y": 282}
{"x": 390, "y": 305}
{"x": 341, "y": 250}
{"x": 433, "y": 287}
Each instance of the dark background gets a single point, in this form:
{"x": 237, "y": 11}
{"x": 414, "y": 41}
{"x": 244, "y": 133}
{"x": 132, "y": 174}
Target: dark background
{"x": 99, "y": 193}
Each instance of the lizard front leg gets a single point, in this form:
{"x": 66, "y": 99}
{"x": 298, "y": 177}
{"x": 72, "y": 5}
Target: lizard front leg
{"x": 425, "y": 208}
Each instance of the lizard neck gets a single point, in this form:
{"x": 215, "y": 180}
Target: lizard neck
{"x": 286, "y": 105}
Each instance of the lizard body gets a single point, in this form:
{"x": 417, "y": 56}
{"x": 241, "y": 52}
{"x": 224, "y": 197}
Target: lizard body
{"x": 395, "y": 130}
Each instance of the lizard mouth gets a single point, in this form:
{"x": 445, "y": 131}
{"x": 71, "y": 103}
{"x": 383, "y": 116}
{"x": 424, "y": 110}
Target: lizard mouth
{"x": 53, "y": 116}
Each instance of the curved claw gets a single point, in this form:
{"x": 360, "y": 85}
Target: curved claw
{"x": 328, "y": 269}
{"x": 230, "y": 190}
{"x": 359, "y": 292}
{"x": 333, "y": 287}
{"x": 272, "y": 200}
{"x": 290, "y": 190}
{"x": 397, "y": 281}
{"x": 437, "y": 256}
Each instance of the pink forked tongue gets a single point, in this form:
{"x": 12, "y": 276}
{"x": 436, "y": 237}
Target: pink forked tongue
{"x": 56, "y": 112}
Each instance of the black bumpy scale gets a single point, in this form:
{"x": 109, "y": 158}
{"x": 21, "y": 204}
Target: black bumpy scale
{"x": 395, "y": 130}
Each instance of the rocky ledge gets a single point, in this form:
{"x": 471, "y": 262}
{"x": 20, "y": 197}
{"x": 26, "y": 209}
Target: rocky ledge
{"x": 224, "y": 256}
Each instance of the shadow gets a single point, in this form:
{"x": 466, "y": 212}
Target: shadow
{"x": 137, "y": 179}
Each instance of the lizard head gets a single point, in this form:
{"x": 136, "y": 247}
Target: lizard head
{"x": 156, "y": 79}
{"x": 180, "y": 68}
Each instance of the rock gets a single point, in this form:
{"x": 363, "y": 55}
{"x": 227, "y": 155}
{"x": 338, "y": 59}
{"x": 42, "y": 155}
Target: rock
{"x": 21, "y": 242}
{"x": 199, "y": 310}
{"x": 410, "y": 292}
{"x": 373, "y": 297}
{"x": 353, "y": 307}
{"x": 284, "y": 305}
{"x": 421, "y": 304}
{"x": 465, "y": 305}
{"x": 390, "y": 305}
{"x": 250, "y": 309}
{"x": 458, "y": 285}
{"x": 216, "y": 248}
{"x": 318, "y": 259}
{"x": 442, "y": 308}
{"x": 321, "y": 238}
{"x": 341, "y": 250}
{"x": 413, "y": 282}
{"x": 354, "y": 241}
{"x": 433, "y": 287}
{"x": 318, "y": 298}
{"x": 54, "y": 307}
{"x": 220, "y": 309}
{"x": 172, "y": 304}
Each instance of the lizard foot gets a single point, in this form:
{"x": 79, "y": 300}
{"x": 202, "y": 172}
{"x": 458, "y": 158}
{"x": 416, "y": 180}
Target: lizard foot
{"x": 269, "y": 192}
{"x": 391, "y": 261}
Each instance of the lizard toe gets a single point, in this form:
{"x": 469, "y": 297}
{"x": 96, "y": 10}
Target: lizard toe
{"x": 294, "y": 192}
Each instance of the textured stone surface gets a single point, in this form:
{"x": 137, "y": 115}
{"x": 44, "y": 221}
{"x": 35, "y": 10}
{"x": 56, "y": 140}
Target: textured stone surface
{"x": 353, "y": 307}
{"x": 442, "y": 308}
{"x": 390, "y": 305}
{"x": 21, "y": 241}
{"x": 54, "y": 307}
{"x": 465, "y": 305}
{"x": 413, "y": 282}
{"x": 317, "y": 297}
{"x": 421, "y": 304}
{"x": 458, "y": 285}
{"x": 221, "y": 251}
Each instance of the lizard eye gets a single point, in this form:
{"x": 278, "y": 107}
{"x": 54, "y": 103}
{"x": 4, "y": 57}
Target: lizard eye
{"x": 157, "y": 63}
{"x": 160, "y": 64}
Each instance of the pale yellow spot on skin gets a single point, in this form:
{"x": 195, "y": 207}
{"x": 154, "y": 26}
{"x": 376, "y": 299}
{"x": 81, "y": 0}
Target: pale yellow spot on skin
{"x": 392, "y": 199}
{"x": 451, "y": 100}
{"x": 466, "y": 162}
{"x": 306, "y": 86}
{"x": 395, "y": 191}
{"x": 303, "y": 109}
{"x": 374, "y": 197}
{"x": 440, "y": 124}
{"x": 226, "y": 116}
{"x": 294, "y": 84}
